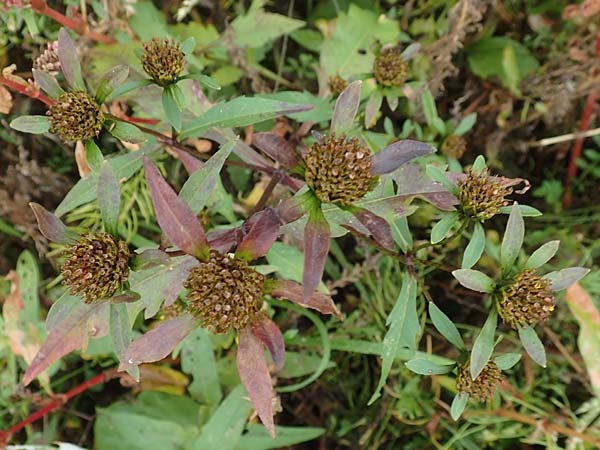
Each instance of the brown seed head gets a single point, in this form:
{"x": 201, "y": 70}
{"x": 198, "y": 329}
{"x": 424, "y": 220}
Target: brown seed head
{"x": 339, "y": 170}
{"x": 527, "y": 300}
{"x": 163, "y": 60}
{"x": 75, "y": 117}
{"x": 481, "y": 388}
{"x": 96, "y": 267}
{"x": 389, "y": 68}
{"x": 224, "y": 292}
{"x": 337, "y": 84}
{"x": 48, "y": 61}
{"x": 481, "y": 197}
{"x": 454, "y": 146}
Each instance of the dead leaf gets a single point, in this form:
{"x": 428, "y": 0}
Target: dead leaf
{"x": 154, "y": 377}
{"x": 8, "y": 72}
{"x": 5, "y": 100}
{"x": 81, "y": 160}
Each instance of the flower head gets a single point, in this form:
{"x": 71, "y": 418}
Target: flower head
{"x": 163, "y": 60}
{"x": 481, "y": 388}
{"x": 48, "y": 61}
{"x": 75, "y": 116}
{"x": 337, "y": 85}
{"x": 454, "y": 146}
{"x": 339, "y": 170}
{"x": 527, "y": 300}
{"x": 97, "y": 266}
{"x": 480, "y": 196}
{"x": 389, "y": 67}
{"x": 224, "y": 292}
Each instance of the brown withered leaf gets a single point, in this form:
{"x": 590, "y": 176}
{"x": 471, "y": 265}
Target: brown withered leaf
{"x": 154, "y": 377}
{"x": 81, "y": 160}
{"x": 293, "y": 291}
{"x": 5, "y": 100}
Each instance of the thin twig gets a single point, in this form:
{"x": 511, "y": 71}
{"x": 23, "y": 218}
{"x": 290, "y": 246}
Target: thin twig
{"x": 564, "y": 138}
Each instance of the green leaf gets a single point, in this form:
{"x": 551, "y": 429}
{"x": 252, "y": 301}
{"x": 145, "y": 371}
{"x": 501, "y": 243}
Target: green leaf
{"x": 507, "y": 361}
{"x": 510, "y": 67}
{"x": 436, "y": 174}
{"x": 459, "y": 404}
{"x": 239, "y": 112}
{"x": 205, "y": 80}
{"x": 439, "y": 125}
{"x": 188, "y": 46}
{"x": 474, "y": 248}
{"x": 425, "y": 367}
{"x": 429, "y": 108}
{"x": 533, "y": 345}
{"x": 120, "y": 334}
{"x": 542, "y": 255}
{"x": 513, "y": 239}
{"x": 479, "y": 165}
{"x": 127, "y": 132}
{"x": 198, "y": 360}
{"x": 109, "y": 198}
{"x": 445, "y": 326}
{"x": 483, "y": 345}
{"x": 110, "y": 81}
{"x": 93, "y": 155}
{"x": 31, "y": 124}
{"x": 257, "y": 438}
{"x": 47, "y": 82}
{"x": 465, "y": 125}
{"x": 440, "y": 230}
{"x": 475, "y": 280}
{"x": 148, "y": 21}
{"x": 197, "y": 189}
{"x": 562, "y": 279}
{"x": 225, "y": 426}
{"x": 171, "y": 108}
{"x": 526, "y": 210}
{"x": 258, "y": 28}
{"x": 397, "y": 321}
{"x": 128, "y": 87}
{"x": 401, "y": 232}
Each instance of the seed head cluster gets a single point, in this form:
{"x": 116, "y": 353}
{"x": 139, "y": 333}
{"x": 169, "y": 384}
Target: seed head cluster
{"x": 337, "y": 85}
{"x": 96, "y": 267}
{"x": 75, "y": 116}
{"x": 48, "y": 61}
{"x": 389, "y": 68}
{"x": 224, "y": 292}
{"x": 527, "y": 300}
{"x": 163, "y": 60}
{"x": 481, "y": 388}
{"x": 339, "y": 170}
{"x": 481, "y": 197}
{"x": 454, "y": 146}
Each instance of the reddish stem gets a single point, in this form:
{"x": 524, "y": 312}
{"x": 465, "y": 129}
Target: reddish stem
{"x": 98, "y": 379}
{"x": 26, "y": 90}
{"x": 586, "y": 120}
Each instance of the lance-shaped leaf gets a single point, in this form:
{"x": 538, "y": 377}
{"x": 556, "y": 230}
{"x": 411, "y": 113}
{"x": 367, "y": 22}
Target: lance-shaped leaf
{"x": 378, "y": 227}
{"x": 174, "y": 216}
{"x": 51, "y": 226}
{"x": 47, "y": 82}
{"x": 459, "y": 403}
{"x": 562, "y": 279}
{"x": 316, "y": 247}
{"x": 69, "y": 61}
{"x": 440, "y": 229}
{"x": 127, "y": 132}
{"x": 254, "y": 373}
{"x": 542, "y": 255}
{"x": 120, "y": 333}
{"x": 294, "y": 292}
{"x": 110, "y": 81}
{"x": 395, "y": 155}
{"x": 31, "y": 124}
{"x": 483, "y": 346}
{"x": 507, "y": 361}
{"x": 533, "y": 345}
{"x": 171, "y": 107}
{"x": 513, "y": 238}
{"x": 474, "y": 248}
{"x": 277, "y": 148}
{"x": 261, "y": 236}
{"x": 445, "y": 326}
{"x": 426, "y": 367}
{"x": 69, "y": 334}
{"x": 158, "y": 343}
{"x": 109, "y": 198}
{"x": 268, "y": 332}
{"x": 475, "y": 280}
{"x": 190, "y": 162}
{"x": 346, "y": 107}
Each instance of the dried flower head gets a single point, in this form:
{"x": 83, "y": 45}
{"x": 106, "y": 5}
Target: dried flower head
{"x": 163, "y": 60}
{"x": 527, "y": 300}
{"x": 454, "y": 146}
{"x": 480, "y": 196}
{"x": 97, "y": 266}
{"x": 339, "y": 169}
{"x": 224, "y": 292}
{"x": 75, "y": 116}
{"x": 48, "y": 61}
{"x": 337, "y": 84}
{"x": 481, "y": 388}
{"x": 389, "y": 68}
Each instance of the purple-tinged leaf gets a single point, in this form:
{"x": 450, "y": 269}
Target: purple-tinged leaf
{"x": 290, "y": 210}
{"x": 395, "y": 155}
{"x": 47, "y": 82}
{"x": 254, "y": 373}
{"x": 151, "y": 257}
{"x": 316, "y": 248}
{"x": 109, "y": 198}
{"x": 318, "y": 136}
{"x": 223, "y": 240}
{"x": 294, "y": 292}
{"x": 562, "y": 279}
{"x": 378, "y": 227}
{"x": 412, "y": 182}
{"x": 51, "y": 226}
{"x": 372, "y": 108}
{"x": 158, "y": 343}
{"x": 69, "y": 61}
{"x": 174, "y": 216}
{"x": 110, "y": 81}
{"x": 268, "y": 332}
{"x": 261, "y": 236}
{"x": 277, "y": 148}
{"x": 346, "y": 107}
{"x": 190, "y": 162}
{"x": 69, "y": 334}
